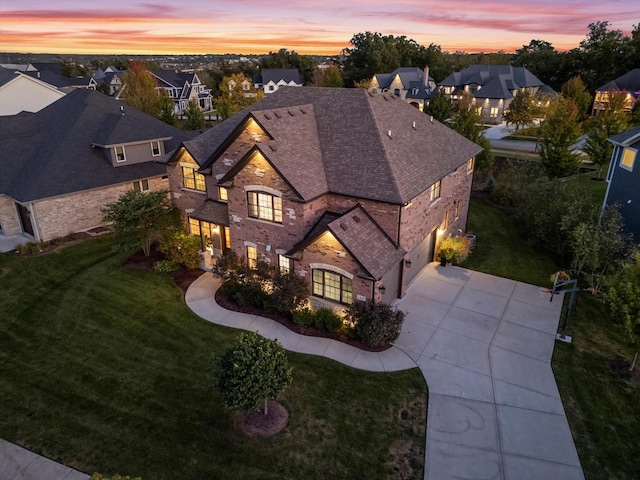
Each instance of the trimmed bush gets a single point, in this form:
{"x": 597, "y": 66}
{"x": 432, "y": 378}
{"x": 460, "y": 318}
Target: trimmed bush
{"x": 375, "y": 323}
{"x": 165, "y": 266}
{"x": 327, "y": 319}
{"x": 304, "y": 317}
{"x": 289, "y": 292}
{"x": 454, "y": 249}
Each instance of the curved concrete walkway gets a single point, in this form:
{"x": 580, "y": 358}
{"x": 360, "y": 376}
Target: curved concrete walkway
{"x": 200, "y": 299}
{"x": 484, "y": 345}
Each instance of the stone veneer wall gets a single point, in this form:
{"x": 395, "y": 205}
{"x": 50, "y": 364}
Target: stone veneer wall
{"x": 60, "y": 216}
{"x": 9, "y": 220}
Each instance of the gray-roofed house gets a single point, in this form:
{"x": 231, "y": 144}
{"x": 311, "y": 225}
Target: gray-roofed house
{"x": 350, "y": 189}
{"x": 62, "y": 164}
{"x": 492, "y": 87}
{"x": 109, "y": 80}
{"x": 628, "y": 83}
{"x": 411, "y": 84}
{"x": 23, "y": 93}
{"x": 271, "y": 79}
{"x": 183, "y": 87}
{"x": 623, "y": 177}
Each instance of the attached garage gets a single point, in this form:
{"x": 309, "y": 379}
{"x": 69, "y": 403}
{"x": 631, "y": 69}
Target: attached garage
{"x": 421, "y": 256}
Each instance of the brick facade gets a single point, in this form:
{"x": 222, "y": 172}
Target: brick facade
{"x": 9, "y": 220}
{"x": 60, "y": 216}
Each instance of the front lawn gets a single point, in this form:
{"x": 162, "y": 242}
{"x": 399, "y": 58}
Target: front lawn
{"x": 601, "y": 406}
{"x": 105, "y": 369}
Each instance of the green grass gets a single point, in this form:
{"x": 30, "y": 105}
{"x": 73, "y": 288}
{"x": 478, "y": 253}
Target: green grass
{"x": 500, "y": 249}
{"x": 105, "y": 369}
{"x": 601, "y": 407}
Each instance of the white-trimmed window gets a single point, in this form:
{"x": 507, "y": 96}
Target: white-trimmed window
{"x": 628, "y": 158}
{"x": 470, "y": 164}
{"x": 332, "y": 286}
{"x": 121, "y": 156}
{"x": 435, "y": 190}
{"x": 155, "y": 149}
{"x": 265, "y": 206}
{"x": 193, "y": 180}
{"x": 493, "y": 113}
{"x": 252, "y": 257}
{"x": 141, "y": 186}
{"x": 223, "y": 194}
{"x": 284, "y": 263}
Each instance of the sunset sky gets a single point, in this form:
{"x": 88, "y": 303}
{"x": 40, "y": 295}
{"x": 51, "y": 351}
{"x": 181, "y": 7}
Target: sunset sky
{"x": 306, "y": 26}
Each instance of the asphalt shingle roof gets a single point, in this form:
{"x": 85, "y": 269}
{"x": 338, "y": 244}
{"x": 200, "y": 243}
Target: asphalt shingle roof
{"x": 52, "y": 152}
{"x": 497, "y": 81}
{"x": 370, "y": 146}
{"x": 630, "y": 81}
{"x": 626, "y": 138}
{"x": 212, "y": 211}
{"x": 276, "y": 74}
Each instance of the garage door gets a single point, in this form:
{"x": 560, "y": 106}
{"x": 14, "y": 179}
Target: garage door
{"x": 421, "y": 256}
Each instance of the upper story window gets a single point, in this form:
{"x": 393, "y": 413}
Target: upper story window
{"x": 457, "y": 209}
{"x": 628, "y": 158}
{"x": 121, "y": 156}
{"x": 435, "y": 190}
{"x": 396, "y": 92}
{"x": 470, "y": 164}
{"x": 155, "y": 149}
{"x": 223, "y": 195}
{"x": 265, "y": 206}
{"x": 193, "y": 180}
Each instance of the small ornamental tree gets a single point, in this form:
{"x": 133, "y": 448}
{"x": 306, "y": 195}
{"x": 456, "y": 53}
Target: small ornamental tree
{"x": 252, "y": 371}
{"x": 140, "y": 218}
{"x": 375, "y": 323}
{"x": 559, "y": 131}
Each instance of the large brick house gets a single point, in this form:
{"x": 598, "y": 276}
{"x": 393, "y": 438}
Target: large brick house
{"x": 349, "y": 189}
{"x": 62, "y": 164}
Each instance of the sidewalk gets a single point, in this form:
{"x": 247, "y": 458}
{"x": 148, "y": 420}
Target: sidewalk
{"x": 200, "y": 299}
{"x": 17, "y": 463}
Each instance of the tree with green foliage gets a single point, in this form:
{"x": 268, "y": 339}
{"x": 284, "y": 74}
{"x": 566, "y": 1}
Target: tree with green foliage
{"x": 195, "y": 116}
{"x": 467, "y": 121}
{"x": 328, "y": 77}
{"x": 167, "y": 108}
{"x": 139, "y": 89}
{"x": 140, "y": 218}
{"x": 284, "y": 58}
{"x": 373, "y": 53}
{"x": 73, "y": 69}
{"x": 558, "y": 132}
{"x": 522, "y": 110}
{"x": 575, "y": 89}
{"x": 600, "y": 248}
{"x": 635, "y": 114}
{"x": 251, "y": 372}
{"x": 541, "y": 59}
{"x": 234, "y": 98}
{"x": 623, "y": 299}
{"x": 439, "y": 107}
{"x": 181, "y": 249}
{"x": 611, "y": 121}
{"x": 288, "y": 291}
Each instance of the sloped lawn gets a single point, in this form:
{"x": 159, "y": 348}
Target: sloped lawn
{"x": 600, "y": 400}
{"x": 105, "y": 369}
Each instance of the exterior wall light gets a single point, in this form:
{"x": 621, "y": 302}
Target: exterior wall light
{"x": 382, "y": 289}
{"x": 407, "y": 263}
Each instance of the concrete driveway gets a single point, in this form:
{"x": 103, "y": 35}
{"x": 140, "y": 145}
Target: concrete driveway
{"x": 484, "y": 345}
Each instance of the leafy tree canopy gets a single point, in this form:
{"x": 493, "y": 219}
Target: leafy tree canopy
{"x": 559, "y": 131}
{"x": 233, "y": 97}
{"x": 195, "y": 117}
{"x": 284, "y": 58}
{"x": 140, "y": 89}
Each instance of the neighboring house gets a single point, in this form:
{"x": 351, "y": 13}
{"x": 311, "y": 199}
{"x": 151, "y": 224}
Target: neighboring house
{"x": 270, "y": 79}
{"x": 628, "y": 83}
{"x": 624, "y": 179}
{"x": 492, "y": 87}
{"x": 22, "y": 93}
{"x": 183, "y": 87}
{"x": 111, "y": 77}
{"x": 246, "y": 87}
{"x": 51, "y": 73}
{"x": 411, "y": 84}
{"x": 62, "y": 164}
{"x": 354, "y": 203}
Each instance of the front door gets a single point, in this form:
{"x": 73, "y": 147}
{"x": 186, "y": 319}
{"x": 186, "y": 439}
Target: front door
{"x": 25, "y": 219}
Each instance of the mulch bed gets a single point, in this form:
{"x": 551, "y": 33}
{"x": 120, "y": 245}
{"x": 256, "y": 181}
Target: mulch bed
{"x": 184, "y": 278}
{"x": 230, "y": 304}
{"x": 256, "y": 423}
{"x": 620, "y": 368}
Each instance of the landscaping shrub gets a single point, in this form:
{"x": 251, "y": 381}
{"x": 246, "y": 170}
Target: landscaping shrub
{"x": 455, "y": 249}
{"x": 226, "y": 264}
{"x": 182, "y": 249}
{"x": 165, "y": 266}
{"x": 327, "y": 319}
{"x": 375, "y": 323}
{"x": 304, "y": 317}
{"x": 289, "y": 292}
